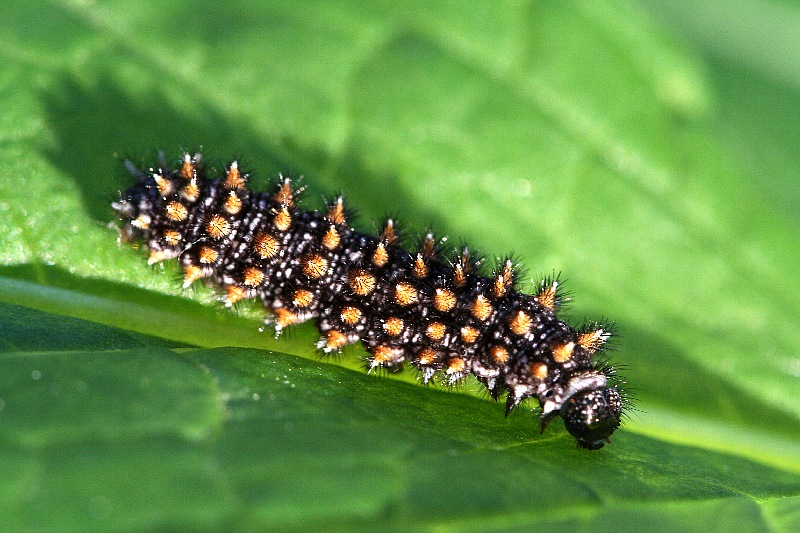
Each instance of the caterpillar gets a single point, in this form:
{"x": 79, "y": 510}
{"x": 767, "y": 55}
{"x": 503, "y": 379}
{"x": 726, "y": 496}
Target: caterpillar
{"x": 444, "y": 317}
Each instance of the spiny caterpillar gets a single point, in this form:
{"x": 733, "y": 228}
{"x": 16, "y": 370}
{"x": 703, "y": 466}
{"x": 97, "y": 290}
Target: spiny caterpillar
{"x": 442, "y": 316}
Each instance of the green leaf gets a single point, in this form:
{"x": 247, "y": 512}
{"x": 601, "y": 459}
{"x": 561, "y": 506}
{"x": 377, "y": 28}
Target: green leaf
{"x": 227, "y": 437}
{"x": 577, "y": 134}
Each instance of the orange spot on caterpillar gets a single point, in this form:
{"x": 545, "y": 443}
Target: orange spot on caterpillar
{"x": 539, "y": 370}
{"x": 393, "y": 326}
{"x": 191, "y": 274}
{"x": 520, "y": 323}
{"x": 405, "y": 293}
{"x": 172, "y": 237}
{"x": 218, "y": 226}
{"x": 234, "y": 179}
{"x": 563, "y": 352}
{"x": 283, "y": 219}
{"x": 234, "y": 294}
{"x": 435, "y": 331}
{"x": 285, "y": 194}
{"x": 481, "y": 308}
{"x": 266, "y": 246}
{"x": 336, "y": 211}
{"x": 361, "y": 282}
{"x": 176, "y": 211}
{"x": 469, "y": 334}
{"x": 593, "y": 340}
{"x": 252, "y": 277}
{"x": 331, "y": 239}
{"x": 444, "y": 300}
{"x": 420, "y": 269}
{"x": 350, "y": 315}
{"x": 427, "y": 356}
{"x": 233, "y": 204}
{"x": 499, "y": 354}
{"x": 207, "y": 255}
{"x": 315, "y": 266}
{"x": 302, "y": 298}
{"x": 503, "y": 280}
{"x": 381, "y": 256}
{"x": 191, "y": 191}
{"x": 335, "y": 340}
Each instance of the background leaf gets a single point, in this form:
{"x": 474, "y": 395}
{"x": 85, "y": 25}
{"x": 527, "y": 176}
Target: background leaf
{"x": 579, "y": 135}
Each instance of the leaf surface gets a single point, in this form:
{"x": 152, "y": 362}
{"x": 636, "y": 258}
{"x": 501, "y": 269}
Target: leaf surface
{"x": 577, "y": 135}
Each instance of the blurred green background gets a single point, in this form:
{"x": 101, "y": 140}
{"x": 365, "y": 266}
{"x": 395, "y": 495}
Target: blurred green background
{"x": 646, "y": 150}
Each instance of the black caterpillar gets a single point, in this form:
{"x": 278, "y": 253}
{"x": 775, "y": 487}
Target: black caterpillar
{"x": 444, "y": 318}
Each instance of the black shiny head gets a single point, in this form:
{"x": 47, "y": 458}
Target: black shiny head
{"x": 592, "y": 416}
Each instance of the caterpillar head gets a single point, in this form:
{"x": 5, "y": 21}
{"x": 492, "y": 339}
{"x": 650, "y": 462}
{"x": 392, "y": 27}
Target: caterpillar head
{"x": 590, "y": 408}
{"x": 591, "y": 416}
